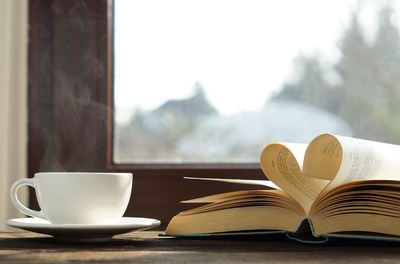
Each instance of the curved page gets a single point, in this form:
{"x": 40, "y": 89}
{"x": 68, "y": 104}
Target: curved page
{"x": 281, "y": 164}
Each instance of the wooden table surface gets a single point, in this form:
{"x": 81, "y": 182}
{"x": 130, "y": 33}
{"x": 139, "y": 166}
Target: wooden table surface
{"x": 148, "y": 247}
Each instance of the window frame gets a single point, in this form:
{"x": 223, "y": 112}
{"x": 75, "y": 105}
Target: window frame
{"x": 158, "y": 188}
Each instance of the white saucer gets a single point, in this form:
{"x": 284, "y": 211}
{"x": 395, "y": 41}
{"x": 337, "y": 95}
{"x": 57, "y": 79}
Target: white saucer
{"x": 83, "y": 233}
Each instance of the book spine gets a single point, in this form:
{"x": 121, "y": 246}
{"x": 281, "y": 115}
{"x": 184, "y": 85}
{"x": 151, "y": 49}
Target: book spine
{"x": 310, "y": 223}
{"x": 305, "y": 233}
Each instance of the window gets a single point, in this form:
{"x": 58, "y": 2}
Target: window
{"x": 213, "y": 81}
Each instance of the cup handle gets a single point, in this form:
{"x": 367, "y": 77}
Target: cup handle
{"x": 16, "y": 202}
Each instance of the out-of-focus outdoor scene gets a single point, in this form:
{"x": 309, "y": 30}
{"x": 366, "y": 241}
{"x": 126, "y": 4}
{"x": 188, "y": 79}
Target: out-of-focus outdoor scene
{"x": 213, "y": 81}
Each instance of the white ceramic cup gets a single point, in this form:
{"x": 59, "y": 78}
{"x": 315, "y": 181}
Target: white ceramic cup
{"x": 77, "y": 197}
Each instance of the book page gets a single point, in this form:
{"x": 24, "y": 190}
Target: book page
{"x": 264, "y": 183}
{"x": 233, "y": 195}
{"x": 344, "y": 159}
{"x": 282, "y": 164}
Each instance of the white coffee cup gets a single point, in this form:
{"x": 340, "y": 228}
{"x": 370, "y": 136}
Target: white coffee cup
{"x": 77, "y": 197}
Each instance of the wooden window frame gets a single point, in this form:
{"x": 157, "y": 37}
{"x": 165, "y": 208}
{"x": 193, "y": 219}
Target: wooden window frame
{"x": 59, "y": 42}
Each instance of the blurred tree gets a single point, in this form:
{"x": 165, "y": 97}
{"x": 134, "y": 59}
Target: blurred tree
{"x": 387, "y": 49}
{"x": 310, "y": 86}
{"x": 360, "y": 91}
{"x": 154, "y": 135}
{"x": 368, "y": 93}
{"x": 369, "y": 89}
{"x": 387, "y": 45}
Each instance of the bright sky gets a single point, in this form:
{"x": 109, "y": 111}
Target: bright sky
{"x": 239, "y": 50}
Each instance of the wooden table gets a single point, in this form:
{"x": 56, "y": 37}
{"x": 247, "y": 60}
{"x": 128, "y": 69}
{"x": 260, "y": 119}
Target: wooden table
{"x": 148, "y": 247}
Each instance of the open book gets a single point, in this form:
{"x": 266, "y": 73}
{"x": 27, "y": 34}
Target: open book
{"x": 338, "y": 186}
